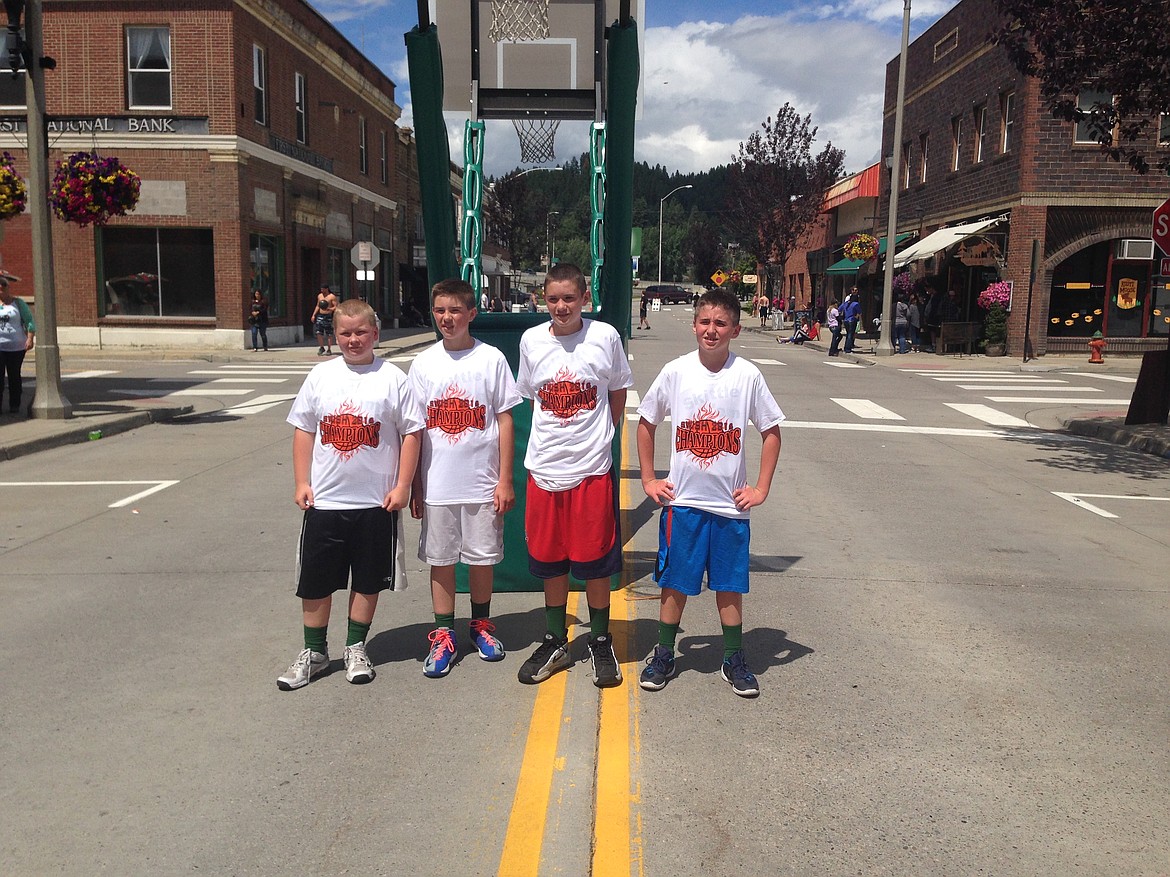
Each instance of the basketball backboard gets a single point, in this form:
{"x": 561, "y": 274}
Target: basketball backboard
{"x": 559, "y": 75}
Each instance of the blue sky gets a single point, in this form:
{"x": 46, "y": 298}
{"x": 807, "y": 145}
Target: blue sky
{"x": 713, "y": 71}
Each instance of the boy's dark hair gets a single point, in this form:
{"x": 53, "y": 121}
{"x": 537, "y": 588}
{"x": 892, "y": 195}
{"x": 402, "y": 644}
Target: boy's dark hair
{"x": 355, "y": 307}
{"x": 459, "y": 289}
{"x": 565, "y": 271}
{"x": 721, "y": 298}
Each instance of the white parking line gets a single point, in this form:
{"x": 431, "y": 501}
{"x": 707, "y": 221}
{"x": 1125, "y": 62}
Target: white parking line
{"x": 93, "y": 373}
{"x": 1042, "y": 400}
{"x": 157, "y": 486}
{"x": 867, "y": 409}
{"x": 987, "y": 414}
{"x": 767, "y": 362}
{"x": 1076, "y": 499}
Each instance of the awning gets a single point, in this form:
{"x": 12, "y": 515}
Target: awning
{"x": 940, "y": 240}
{"x": 850, "y": 266}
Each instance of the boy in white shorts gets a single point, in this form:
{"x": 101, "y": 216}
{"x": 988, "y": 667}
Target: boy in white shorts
{"x": 710, "y": 395}
{"x": 463, "y": 485}
{"x": 355, "y": 448}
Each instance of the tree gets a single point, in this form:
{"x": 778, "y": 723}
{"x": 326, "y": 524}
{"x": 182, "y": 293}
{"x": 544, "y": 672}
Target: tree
{"x": 775, "y": 186}
{"x": 1087, "y": 46}
{"x": 702, "y": 249}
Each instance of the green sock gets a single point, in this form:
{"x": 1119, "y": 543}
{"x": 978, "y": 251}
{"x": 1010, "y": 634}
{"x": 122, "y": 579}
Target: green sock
{"x": 555, "y": 620}
{"x": 667, "y": 634}
{"x": 732, "y": 639}
{"x": 444, "y": 619}
{"x": 315, "y": 639}
{"x": 598, "y": 621}
{"x": 357, "y": 633}
{"x": 481, "y": 610}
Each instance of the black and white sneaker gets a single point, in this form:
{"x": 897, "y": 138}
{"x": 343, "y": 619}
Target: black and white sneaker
{"x": 606, "y": 672}
{"x": 743, "y": 681}
{"x": 550, "y": 656}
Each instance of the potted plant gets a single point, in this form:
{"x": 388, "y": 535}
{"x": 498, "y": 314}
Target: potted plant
{"x": 995, "y": 300}
{"x": 860, "y": 247}
{"x": 13, "y": 191}
{"x": 90, "y": 189}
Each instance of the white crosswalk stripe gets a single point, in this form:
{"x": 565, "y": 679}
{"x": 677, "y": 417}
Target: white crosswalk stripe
{"x": 868, "y": 410}
{"x": 260, "y": 403}
{"x": 767, "y": 362}
{"x": 1023, "y": 388}
{"x": 1050, "y": 400}
{"x": 987, "y": 414}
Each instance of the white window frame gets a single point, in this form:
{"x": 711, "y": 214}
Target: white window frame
{"x": 907, "y": 151}
{"x": 301, "y": 105}
{"x": 956, "y": 142}
{"x": 1007, "y": 113}
{"x": 1086, "y": 100}
{"x": 133, "y": 68}
{"x": 259, "y": 84}
{"x": 980, "y": 131}
{"x": 385, "y": 166}
{"x": 924, "y": 147}
{"x": 363, "y": 151}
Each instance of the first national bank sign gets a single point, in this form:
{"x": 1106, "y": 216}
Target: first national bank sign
{"x": 110, "y": 125}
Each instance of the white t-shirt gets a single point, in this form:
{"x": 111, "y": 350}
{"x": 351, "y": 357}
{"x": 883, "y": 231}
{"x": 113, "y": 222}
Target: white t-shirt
{"x": 13, "y": 338}
{"x": 709, "y": 413}
{"x": 460, "y": 393}
{"x": 358, "y": 416}
{"x": 569, "y": 379}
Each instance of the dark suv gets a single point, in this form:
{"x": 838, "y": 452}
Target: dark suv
{"x": 670, "y": 294}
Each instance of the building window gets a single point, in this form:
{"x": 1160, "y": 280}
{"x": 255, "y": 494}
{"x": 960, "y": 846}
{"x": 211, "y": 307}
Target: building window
{"x": 302, "y": 103}
{"x": 264, "y": 252}
{"x": 924, "y": 147}
{"x": 12, "y": 89}
{"x": 906, "y": 165}
{"x": 338, "y": 271}
{"x": 157, "y": 272}
{"x": 260, "y": 83}
{"x": 1164, "y": 130}
{"x": 363, "y": 153}
{"x": 1088, "y": 130}
{"x": 385, "y": 164}
{"x": 148, "y": 65}
{"x": 980, "y": 131}
{"x": 956, "y": 141}
{"x": 1007, "y": 115}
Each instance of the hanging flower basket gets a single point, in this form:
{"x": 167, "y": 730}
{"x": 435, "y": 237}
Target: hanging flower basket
{"x": 89, "y": 189}
{"x": 903, "y": 282}
{"x": 861, "y": 247}
{"x": 13, "y": 192}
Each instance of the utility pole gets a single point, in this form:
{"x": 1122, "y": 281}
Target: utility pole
{"x": 49, "y": 401}
{"x": 885, "y": 345}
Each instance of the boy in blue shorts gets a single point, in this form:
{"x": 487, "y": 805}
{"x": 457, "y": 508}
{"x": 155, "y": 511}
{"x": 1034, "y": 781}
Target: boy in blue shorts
{"x": 710, "y": 395}
{"x": 355, "y": 448}
{"x": 576, "y": 373}
{"x": 463, "y": 485}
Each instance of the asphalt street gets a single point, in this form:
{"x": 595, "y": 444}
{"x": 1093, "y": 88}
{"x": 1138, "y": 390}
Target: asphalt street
{"x": 958, "y": 623}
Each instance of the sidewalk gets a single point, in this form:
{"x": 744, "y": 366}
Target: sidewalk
{"x": 96, "y": 415}
{"x": 1107, "y": 424}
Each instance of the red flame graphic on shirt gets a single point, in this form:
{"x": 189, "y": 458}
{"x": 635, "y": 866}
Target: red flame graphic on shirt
{"x": 705, "y": 436}
{"x": 564, "y": 395}
{"x": 454, "y": 413}
{"x": 348, "y": 430}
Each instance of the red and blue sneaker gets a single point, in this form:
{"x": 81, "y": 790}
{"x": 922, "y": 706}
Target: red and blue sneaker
{"x": 443, "y": 652}
{"x": 489, "y": 648}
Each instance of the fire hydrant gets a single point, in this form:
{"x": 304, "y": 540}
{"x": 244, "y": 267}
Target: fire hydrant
{"x": 1096, "y": 345}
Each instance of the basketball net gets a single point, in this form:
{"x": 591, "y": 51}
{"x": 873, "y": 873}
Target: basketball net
{"x": 536, "y": 139}
{"x": 519, "y": 20}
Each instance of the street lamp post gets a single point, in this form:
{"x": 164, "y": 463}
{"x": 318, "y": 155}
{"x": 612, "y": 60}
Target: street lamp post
{"x": 550, "y": 245}
{"x": 660, "y": 203}
{"x": 885, "y": 345}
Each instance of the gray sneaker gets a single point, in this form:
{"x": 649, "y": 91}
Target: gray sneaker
{"x": 550, "y": 656}
{"x": 307, "y": 665}
{"x": 358, "y": 668}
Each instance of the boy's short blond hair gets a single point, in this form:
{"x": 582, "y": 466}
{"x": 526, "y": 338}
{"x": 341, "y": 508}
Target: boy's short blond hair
{"x": 721, "y": 298}
{"x": 564, "y": 272}
{"x": 456, "y": 288}
{"x": 355, "y": 307}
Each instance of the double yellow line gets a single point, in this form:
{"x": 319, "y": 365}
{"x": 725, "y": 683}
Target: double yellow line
{"x": 616, "y": 851}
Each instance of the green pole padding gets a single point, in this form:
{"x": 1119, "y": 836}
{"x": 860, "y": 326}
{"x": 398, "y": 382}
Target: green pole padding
{"x": 617, "y": 283}
{"x": 425, "y": 62}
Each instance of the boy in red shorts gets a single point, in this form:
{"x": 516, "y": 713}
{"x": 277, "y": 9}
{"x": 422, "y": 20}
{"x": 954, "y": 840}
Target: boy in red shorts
{"x": 576, "y": 373}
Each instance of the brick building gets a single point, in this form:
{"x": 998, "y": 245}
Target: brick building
{"x": 267, "y": 147}
{"x": 980, "y": 150}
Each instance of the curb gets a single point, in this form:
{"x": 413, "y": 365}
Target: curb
{"x": 106, "y": 426}
{"x": 1148, "y": 438}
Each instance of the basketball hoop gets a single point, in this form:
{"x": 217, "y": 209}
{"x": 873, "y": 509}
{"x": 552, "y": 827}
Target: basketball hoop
{"x": 519, "y": 20}
{"x": 536, "y": 139}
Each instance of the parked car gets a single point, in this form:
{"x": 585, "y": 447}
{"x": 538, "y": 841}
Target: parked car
{"x": 670, "y": 293}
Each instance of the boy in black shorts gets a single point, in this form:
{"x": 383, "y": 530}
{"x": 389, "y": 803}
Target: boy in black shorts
{"x": 355, "y": 449}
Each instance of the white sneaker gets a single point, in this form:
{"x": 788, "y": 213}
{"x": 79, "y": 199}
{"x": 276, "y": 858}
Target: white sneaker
{"x": 358, "y": 668}
{"x": 307, "y": 665}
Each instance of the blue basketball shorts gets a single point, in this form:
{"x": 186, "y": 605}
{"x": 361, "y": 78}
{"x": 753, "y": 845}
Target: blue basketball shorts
{"x": 692, "y": 542}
